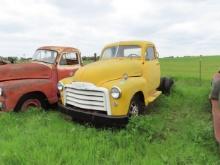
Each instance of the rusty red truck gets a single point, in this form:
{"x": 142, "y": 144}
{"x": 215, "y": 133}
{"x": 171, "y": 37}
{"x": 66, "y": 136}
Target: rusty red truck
{"x": 34, "y": 84}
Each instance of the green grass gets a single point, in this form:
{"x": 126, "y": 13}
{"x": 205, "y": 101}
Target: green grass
{"x": 188, "y": 67}
{"x": 177, "y": 130}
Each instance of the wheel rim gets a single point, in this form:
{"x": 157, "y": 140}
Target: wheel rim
{"x": 134, "y": 110}
{"x": 30, "y": 103}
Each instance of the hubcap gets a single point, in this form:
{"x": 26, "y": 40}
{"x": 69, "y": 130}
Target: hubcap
{"x": 30, "y": 103}
{"x": 134, "y": 111}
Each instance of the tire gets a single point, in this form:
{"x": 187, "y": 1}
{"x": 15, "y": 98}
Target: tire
{"x": 168, "y": 83}
{"x": 161, "y": 87}
{"x": 136, "y": 106}
{"x": 28, "y": 101}
{"x": 165, "y": 85}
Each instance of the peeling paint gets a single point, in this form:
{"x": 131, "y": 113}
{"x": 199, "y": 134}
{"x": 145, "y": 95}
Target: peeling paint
{"x": 17, "y": 80}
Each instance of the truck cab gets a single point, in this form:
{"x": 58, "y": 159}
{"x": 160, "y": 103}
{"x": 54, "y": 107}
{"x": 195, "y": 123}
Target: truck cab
{"x": 34, "y": 84}
{"x": 118, "y": 86}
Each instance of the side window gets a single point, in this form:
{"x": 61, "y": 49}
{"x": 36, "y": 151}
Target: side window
{"x": 69, "y": 59}
{"x": 150, "y": 55}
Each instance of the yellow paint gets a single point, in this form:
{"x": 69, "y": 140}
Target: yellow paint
{"x": 68, "y": 80}
{"x": 143, "y": 76}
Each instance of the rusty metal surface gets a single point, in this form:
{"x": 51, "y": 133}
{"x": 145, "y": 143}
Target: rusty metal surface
{"x": 216, "y": 119}
{"x": 14, "y": 90}
{"x": 24, "y": 71}
{"x": 63, "y": 72}
{"x": 19, "y": 79}
{"x": 215, "y": 101}
{"x": 59, "y": 49}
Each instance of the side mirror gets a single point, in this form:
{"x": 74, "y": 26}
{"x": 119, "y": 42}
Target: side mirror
{"x": 158, "y": 55}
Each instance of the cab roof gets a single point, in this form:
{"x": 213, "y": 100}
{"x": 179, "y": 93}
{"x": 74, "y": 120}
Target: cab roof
{"x": 59, "y": 49}
{"x": 140, "y": 43}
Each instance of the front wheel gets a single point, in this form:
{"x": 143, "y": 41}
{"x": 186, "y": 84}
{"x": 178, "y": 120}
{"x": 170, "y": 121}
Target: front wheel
{"x": 29, "y": 101}
{"x": 136, "y": 106}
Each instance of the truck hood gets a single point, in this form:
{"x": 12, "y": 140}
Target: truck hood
{"x": 106, "y": 70}
{"x": 24, "y": 71}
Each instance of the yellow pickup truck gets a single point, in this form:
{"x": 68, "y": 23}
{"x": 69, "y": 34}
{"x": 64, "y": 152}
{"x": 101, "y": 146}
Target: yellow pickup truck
{"x": 124, "y": 80}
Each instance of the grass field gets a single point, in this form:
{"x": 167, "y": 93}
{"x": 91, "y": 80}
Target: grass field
{"x": 176, "y": 130}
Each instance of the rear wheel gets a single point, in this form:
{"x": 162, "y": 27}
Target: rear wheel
{"x": 165, "y": 85}
{"x": 136, "y": 106}
{"x": 29, "y": 101}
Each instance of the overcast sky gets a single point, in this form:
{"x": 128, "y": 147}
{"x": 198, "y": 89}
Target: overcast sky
{"x": 177, "y": 27}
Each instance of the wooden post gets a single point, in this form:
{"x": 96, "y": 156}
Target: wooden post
{"x": 95, "y": 56}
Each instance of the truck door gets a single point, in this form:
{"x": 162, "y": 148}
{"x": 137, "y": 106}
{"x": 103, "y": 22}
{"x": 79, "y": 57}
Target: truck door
{"x": 151, "y": 70}
{"x": 68, "y": 64}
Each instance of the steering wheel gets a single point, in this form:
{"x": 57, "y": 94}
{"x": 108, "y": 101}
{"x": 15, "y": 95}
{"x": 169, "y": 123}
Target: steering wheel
{"x": 133, "y": 55}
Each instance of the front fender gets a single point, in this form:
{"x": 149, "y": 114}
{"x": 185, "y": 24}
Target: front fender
{"x": 14, "y": 90}
{"x": 129, "y": 87}
{"x": 65, "y": 81}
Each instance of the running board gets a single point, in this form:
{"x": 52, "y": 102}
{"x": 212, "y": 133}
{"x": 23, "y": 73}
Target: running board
{"x": 153, "y": 96}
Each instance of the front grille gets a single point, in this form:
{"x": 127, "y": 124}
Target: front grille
{"x": 86, "y": 96}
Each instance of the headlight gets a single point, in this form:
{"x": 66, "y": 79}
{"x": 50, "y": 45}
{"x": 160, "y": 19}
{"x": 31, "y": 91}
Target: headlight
{"x": 116, "y": 92}
{"x": 1, "y": 92}
{"x": 60, "y": 86}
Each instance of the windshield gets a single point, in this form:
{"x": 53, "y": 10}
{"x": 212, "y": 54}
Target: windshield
{"x": 121, "y": 51}
{"x": 47, "y": 56}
